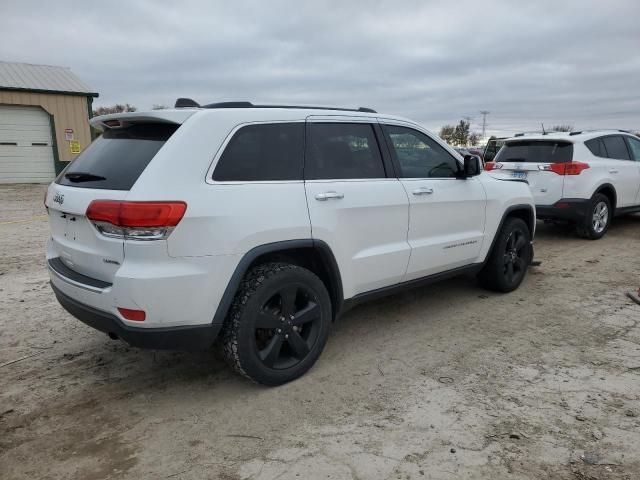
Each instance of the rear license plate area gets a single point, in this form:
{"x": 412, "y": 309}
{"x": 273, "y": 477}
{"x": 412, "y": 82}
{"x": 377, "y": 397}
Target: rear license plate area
{"x": 519, "y": 174}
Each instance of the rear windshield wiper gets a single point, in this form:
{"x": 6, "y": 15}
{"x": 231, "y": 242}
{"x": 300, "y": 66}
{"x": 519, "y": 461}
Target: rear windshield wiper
{"x": 83, "y": 177}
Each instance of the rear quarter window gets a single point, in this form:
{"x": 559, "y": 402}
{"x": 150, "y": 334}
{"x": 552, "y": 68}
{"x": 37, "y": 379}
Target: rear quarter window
{"x": 116, "y": 159}
{"x": 596, "y": 146}
{"x": 536, "y": 151}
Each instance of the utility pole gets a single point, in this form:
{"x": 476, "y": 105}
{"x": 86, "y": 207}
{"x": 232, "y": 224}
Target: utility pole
{"x": 484, "y": 122}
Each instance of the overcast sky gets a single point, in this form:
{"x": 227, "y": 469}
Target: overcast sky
{"x": 575, "y": 62}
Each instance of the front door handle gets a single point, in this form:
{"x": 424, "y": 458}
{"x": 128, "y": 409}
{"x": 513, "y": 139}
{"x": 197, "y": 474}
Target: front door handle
{"x": 423, "y": 191}
{"x": 323, "y": 197}
{"x": 613, "y": 170}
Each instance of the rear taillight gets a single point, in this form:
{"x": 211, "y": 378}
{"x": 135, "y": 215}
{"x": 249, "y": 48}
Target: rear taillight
{"x": 569, "y": 168}
{"x": 136, "y": 220}
{"x": 492, "y": 166}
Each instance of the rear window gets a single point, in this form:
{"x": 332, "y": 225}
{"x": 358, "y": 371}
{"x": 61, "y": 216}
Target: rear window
{"x": 115, "y": 160}
{"x": 536, "y": 151}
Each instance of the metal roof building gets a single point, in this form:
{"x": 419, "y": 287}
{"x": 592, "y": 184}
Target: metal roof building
{"x": 44, "y": 120}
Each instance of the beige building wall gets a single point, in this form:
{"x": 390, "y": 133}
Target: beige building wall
{"x": 69, "y": 111}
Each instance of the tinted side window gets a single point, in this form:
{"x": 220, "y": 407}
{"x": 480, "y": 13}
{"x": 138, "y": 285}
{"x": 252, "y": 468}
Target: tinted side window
{"x": 634, "y": 145}
{"x": 597, "y": 147}
{"x": 342, "y": 150}
{"x": 616, "y": 148}
{"x": 263, "y": 152}
{"x": 418, "y": 155}
{"x": 116, "y": 159}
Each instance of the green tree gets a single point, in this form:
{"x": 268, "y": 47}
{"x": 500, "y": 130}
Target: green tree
{"x": 461, "y": 134}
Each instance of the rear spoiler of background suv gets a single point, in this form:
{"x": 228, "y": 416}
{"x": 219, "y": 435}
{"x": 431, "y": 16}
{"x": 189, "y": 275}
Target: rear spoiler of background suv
{"x": 156, "y": 116}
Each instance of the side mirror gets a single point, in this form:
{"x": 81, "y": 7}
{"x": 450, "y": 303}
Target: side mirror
{"x": 472, "y": 166}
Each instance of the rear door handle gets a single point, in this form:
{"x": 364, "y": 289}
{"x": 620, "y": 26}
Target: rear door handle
{"x": 423, "y": 191}
{"x": 613, "y": 170}
{"x": 323, "y": 197}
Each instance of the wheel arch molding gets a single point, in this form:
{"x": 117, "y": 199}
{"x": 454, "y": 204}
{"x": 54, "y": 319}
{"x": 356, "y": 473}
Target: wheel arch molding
{"x": 315, "y": 255}
{"x": 610, "y": 191}
{"x": 524, "y": 211}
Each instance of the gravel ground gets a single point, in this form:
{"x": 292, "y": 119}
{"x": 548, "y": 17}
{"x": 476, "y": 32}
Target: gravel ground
{"x": 447, "y": 381}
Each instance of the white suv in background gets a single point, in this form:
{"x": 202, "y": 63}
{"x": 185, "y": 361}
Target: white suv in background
{"x": 583, "y": 177}
{"x": 265, "y": 223}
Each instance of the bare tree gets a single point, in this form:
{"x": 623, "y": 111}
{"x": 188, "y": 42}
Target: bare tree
{"x": 447, "y": 133}
{"x": 117, "y": 108}
{"x": 562, "y": 128}
{"x": 474, "y": 138}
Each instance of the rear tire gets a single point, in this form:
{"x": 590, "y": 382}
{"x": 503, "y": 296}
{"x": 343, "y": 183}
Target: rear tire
{"x": 278, "y": 324}
{"x": 510, "y": 258}
{"x": 596, "y": 223}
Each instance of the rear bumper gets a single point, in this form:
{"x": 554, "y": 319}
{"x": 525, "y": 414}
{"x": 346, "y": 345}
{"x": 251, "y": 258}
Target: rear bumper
{"x": 189, "y": 338}
{"x": 571, "y": 209}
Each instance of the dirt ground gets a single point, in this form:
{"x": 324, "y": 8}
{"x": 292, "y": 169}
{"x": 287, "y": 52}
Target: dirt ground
{"x": 447, "y": 381}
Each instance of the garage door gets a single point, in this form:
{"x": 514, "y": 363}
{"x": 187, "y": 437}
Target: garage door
{"x": 26, "y": 155}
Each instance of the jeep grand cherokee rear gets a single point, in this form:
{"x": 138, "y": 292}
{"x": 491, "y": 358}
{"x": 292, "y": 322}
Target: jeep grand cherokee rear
{"x": 108, "y": 253}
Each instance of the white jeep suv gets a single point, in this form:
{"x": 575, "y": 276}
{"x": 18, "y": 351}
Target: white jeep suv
{"x": 263, "y": 224}
{"x": 583, "y": 177}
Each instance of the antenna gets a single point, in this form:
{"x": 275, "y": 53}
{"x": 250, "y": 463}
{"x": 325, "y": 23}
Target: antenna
{"x": 186, "y": 103}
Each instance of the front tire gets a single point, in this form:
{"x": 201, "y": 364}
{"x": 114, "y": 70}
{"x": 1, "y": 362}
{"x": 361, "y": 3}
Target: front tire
{"x": 510, "y": 258}
{"x": 596, "y": 223}
{"x": 278, "y": 324}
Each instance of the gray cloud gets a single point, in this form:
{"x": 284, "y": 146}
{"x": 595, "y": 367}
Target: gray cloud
{"x": 572, "y": 62}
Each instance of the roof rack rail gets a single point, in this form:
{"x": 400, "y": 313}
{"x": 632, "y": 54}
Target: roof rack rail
{"x": 189, "y": 103}
{"x": 230, "y": 105}
{"x": 600, "y": 130}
